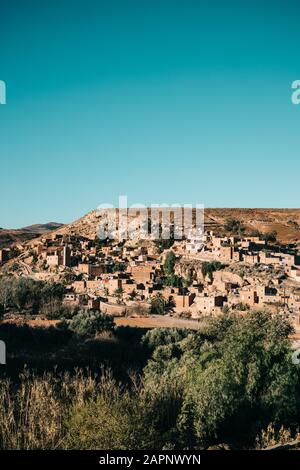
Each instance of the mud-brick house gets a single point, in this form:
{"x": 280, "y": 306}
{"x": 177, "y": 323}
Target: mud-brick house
{"x": 210, "y": 304}
{"x": 143, "y": 273}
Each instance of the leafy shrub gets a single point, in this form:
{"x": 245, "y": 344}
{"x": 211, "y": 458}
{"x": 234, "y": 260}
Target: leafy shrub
{"x": 242, "y": 307}
{"x": 169, "y": 263}
{"x": 163, "y": 336}
{"x": 224, "y": 383}
{"x": 56, "y": 310}
{"x": 24, "y": 293}
{"x": 208, "y": 268}
{"x": 13, "y": 252}
{"x": 234, "y": 226}
{"x": 173, "y": 281}
{"x": 224, "y": 389}
{"x": 158, "y": 304}
{"x": 270, "y": 237}
{"x": 114, "y": 417}
{"x": 91, "y": 323}
{"x": 164, "y": 244}
{"x": 69, "y": 276}
{"x": 255, "y": 233}
{"x": 118, "y": 267}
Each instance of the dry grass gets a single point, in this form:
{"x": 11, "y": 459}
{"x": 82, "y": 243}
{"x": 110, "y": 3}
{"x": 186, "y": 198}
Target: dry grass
{"x": 32, "y": 413}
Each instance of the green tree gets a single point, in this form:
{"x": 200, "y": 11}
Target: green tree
{"x": 106, "y": 291}
{"x": 6, "y": 291}
{"x": 187, "y": 281}
{"x": 226, "y": 382}
{"x": 111, "y": 420}
{"x": 169, "y": 263}
{"x": 91, "y": 323}
{"x": 163, "y": 336}
{"x": 234, "y": 226}
{"x": 133, "y": 294}
{"x": 173, "y": 281}
{"x": 226, "y": 309}
{"x": 252, "y": 379}
{"x": 270, "y": 237}
{"x": 69, "y": 276}
{"x": 164, "y": 244}
{"x": 27, "y": 294}
{"x": 208, "y": 268}
{"x": 255, "y": 233}
{"x": 158, "y": 304}
{"x": 118, "y": 267}
{"x": 118, "y": 293}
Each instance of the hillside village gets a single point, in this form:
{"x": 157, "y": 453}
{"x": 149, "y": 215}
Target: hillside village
{"x": 186, "y": 278}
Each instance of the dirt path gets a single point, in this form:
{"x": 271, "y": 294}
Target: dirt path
{"x": 157, "y": 321}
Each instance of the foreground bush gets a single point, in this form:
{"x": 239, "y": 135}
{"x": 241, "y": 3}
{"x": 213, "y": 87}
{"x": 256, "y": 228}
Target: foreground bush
{"x": 223, "y": 384}
{"x": 60, "y": 411}
{"x": 91, "y": 323}
{"x": 111, "y": 420}
{"x": 24, "y": 293}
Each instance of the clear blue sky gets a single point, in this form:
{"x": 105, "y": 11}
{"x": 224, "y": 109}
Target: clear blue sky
{"x": 165, "y": 101}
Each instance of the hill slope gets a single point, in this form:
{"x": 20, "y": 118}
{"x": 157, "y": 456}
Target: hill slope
{"x": 286, "y": 222}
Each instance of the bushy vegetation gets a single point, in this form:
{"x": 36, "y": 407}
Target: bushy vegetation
{"x": 169, "y": 263}
{"x": 225, "y": 384}
{"x": 171, "y": 279}
{"x": 164, "y": 244}
{"x": 208, "y": 268}
{"x": 25, "y": 294}
{"x": 118, "y": 267}
{"x": 234, "y": 227}
{"x": 158, "y": 304}
{"x": 231, "y": 382}
{"x": 241, "y": 306}
{"x": 68, "y": 276}
{"x": 269, "y": 237}
{"x": 90, "y": 323}
{"x": 163, "y": 336}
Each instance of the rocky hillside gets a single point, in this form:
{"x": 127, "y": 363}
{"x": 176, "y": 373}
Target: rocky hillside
{"x": 286, "y": 222}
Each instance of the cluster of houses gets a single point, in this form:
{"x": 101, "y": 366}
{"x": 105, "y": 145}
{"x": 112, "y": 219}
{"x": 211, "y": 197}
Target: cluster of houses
{"x": 121, "y": 278}
{"x": 251, "y": 250}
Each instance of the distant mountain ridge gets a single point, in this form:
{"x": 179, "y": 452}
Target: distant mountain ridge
{"x": 12, "y": 236}
{"x": 42, "y": 228}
